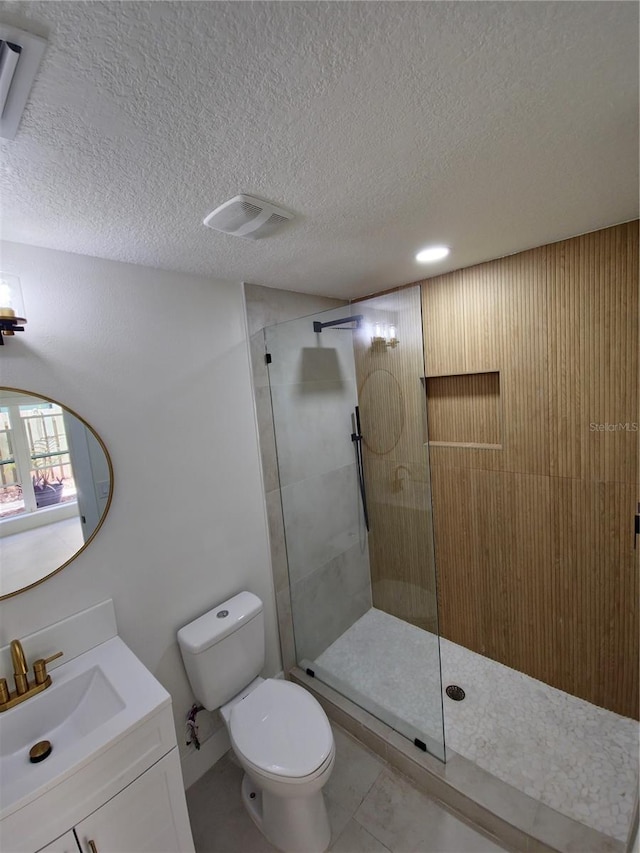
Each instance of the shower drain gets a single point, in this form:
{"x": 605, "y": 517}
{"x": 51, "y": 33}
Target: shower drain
{"x": 454, "y": 692}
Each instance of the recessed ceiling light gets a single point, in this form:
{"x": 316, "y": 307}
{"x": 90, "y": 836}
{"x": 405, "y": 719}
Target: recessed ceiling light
{"x": 432, "y": 253}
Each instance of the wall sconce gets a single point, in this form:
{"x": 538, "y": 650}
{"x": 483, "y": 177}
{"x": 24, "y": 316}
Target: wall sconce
{"x": 384, "y": 337}
{"x": 12, "y": 314}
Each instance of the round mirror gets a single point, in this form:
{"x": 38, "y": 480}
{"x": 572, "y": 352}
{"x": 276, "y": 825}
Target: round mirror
{"x": 56, "y": 482}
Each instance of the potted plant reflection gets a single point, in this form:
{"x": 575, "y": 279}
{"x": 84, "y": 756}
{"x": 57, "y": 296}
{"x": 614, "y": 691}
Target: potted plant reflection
{"x": 47, "y": 478}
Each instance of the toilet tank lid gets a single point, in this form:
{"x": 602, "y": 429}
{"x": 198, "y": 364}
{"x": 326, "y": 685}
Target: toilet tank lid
{"x": 219, "y": 622}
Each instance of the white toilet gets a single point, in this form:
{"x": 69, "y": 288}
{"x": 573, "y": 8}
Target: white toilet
{"x": 278, "y": 731}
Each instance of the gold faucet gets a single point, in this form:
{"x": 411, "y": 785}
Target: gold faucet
{"x": 24, "y": 688}
{"x": 20, "y": 668}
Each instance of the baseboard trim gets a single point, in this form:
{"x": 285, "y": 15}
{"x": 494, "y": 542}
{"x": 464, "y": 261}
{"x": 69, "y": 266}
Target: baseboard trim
{"x": 196, "y": 762}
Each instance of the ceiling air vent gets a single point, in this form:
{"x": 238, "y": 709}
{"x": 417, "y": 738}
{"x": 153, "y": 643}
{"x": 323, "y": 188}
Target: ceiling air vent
{"x": 247, "y": 216}
{"x": 20, "y": 55}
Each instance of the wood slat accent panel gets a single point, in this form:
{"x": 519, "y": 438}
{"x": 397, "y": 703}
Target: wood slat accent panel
{"x": 466, "y": 545}
{"x": 482, "y": 310}
{"x": 465, "y": 408}
{"x": 492, "y": 536}
{"x": 500, "y": 312}
{"x": 392, "y": 412}
{"x": 593, "y": 364}
{"x": 455, "y": 344}
{"x": 521, "y": 280}
{"x": 593, "y": 596}
{"x": 535, "y": 559}
{"x": 443, "y": 321}
{"x": 556, "y": 600}
{"x": 401, "y": 553}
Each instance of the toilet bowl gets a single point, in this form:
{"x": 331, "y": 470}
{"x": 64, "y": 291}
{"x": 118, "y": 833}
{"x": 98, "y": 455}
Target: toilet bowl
{"x": 283, "y": 740}
{"x": 279, "y": 732}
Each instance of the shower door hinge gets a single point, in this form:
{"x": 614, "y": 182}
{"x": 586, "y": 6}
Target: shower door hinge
{"x": 420, "y": 744}
{"x": 310, "y": 672}
{"x": 267, "y": 358}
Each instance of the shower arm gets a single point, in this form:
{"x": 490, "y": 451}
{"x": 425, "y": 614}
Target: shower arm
{"x": 355, "y": 318}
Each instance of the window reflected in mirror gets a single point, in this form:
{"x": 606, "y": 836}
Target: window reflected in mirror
{"x": 55, "y": 488}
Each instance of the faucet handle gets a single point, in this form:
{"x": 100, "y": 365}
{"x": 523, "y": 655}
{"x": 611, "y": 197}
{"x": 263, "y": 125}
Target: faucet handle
{"x": 40, "y": 667}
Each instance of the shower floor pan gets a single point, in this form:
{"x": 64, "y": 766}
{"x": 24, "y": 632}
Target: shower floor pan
{"x": 575, "y": 757}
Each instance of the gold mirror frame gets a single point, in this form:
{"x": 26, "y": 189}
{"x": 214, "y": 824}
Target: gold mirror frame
{"x": 103, "y": 447}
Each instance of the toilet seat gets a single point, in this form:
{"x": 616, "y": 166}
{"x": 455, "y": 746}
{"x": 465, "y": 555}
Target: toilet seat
{"x": 282, "y": 731}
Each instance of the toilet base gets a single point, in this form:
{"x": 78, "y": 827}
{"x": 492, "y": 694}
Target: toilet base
{"x": 292, "y": 824}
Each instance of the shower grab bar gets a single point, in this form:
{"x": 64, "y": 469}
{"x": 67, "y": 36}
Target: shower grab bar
{"x": 355, "y": 318}
{"x": 356, "y": 437}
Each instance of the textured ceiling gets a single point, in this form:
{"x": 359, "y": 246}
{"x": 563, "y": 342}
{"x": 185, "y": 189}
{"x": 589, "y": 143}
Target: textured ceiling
{"x": 492, "y": 127}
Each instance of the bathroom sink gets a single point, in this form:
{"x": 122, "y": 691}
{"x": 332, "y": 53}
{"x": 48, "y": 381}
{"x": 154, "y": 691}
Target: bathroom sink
{"x": 63, "y": 714}
{"x": 94, "y": 700}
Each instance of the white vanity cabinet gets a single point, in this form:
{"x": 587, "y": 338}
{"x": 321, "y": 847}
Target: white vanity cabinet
{"x": 113, "y": 782}
{"x": 149, "y": 816}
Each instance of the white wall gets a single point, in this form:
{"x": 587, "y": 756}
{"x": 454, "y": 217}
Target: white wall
{"x": 139, "y": 353}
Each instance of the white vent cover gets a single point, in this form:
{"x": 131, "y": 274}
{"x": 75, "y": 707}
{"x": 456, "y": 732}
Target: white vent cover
{"x": 247, "y": 216}
{"x": 20, "y": 55}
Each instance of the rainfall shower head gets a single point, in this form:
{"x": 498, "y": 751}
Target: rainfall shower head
{"x": 355, "y": 318}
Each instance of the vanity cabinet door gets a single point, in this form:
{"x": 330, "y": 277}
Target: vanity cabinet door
{"x": 148, "y": 816}
{"x": 65, "y": 844}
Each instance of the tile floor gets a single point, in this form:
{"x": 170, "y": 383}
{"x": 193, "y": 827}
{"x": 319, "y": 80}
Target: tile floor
{"x": 372, "y": 809}
{"x": 567, "y": 753}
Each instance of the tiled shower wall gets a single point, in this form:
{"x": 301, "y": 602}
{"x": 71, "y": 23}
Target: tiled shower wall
{"x": 535, "y": 477}
{"x": 314, "y": 390}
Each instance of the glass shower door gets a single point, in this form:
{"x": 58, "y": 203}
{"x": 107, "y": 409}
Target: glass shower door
{"x": 349, "y": 414}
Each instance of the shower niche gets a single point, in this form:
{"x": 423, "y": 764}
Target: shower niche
{"x": 464, "y": 410}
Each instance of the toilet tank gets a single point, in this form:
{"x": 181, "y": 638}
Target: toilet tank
{"x": 224, "y": 649}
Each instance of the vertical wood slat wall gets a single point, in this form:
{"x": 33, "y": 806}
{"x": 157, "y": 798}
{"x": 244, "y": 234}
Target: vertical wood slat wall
{"x": 534, "y": 545}
{"x": 391, "y": 400}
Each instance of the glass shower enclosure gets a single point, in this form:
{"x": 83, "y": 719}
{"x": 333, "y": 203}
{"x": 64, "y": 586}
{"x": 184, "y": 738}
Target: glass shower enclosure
{"x": 349, "y": 410}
